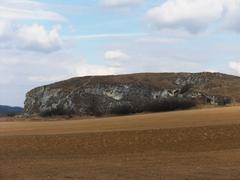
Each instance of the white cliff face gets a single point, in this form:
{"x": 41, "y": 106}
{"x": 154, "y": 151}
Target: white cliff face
{"x": 114, "y": 95}
{"x": 47, "y": 95}
{"x": 161, "y": 94}
{"x": 82, "y": 99}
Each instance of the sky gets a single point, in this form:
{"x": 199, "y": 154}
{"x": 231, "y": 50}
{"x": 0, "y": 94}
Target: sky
{"x": 43, "y": 41}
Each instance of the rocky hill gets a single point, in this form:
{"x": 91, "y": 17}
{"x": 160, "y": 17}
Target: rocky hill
{"x": 103, "y": 94}
{"x": 7, "y": 110}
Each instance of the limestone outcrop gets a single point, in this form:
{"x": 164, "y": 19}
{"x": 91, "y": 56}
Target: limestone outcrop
{"x": 101, "y": 94}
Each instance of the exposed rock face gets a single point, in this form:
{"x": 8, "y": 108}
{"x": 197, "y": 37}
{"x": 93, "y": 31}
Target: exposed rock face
{"x": 85, "y": 95}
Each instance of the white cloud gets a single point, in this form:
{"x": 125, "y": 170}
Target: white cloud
{"x": 47, "y": 67}
{"x": 212, "y": 70}
{"x": 235, "y": 65}
{"x": 120, "y": 3}
{"x": 29, "y": 37}
{"x": 115, "y": 55}
{"x": 36, "y": 37}
{"x": 192, "y": 15}
{"x": 85, "y": 69}
{"x": 72, "y": 69}
{"x": 232, "y": 15}
{"x": 27, "y": 9}
{"x": 195, "y": 15}
{"x": 23, "y": 71}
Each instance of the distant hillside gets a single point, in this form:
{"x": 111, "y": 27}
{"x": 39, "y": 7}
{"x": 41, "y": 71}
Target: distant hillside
{"x": 7, "y": 110}
{"x": 133, "y": 93}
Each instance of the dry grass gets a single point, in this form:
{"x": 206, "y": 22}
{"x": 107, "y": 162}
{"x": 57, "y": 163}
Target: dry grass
{"x": 196, "y": 144}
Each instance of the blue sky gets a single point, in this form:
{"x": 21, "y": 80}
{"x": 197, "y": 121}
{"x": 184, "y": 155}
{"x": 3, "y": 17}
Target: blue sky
{"x": 45, "y": 41}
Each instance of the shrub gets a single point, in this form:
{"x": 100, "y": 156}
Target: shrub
{"x": 224, "y": 101}
{"x": 12, "y": 114}
{"x": 56, "y": 112}
{"x": 123, "y": 109}
{"x": 93, "y": 108}
{"x": 169, "y": 104}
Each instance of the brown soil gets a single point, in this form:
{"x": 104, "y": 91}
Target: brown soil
{"x": 197, "y": 144}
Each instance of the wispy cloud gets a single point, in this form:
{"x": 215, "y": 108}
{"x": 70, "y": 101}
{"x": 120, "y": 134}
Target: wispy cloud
{"x": 120, "y": 3}
{"x": 158, "y": 40}
{"x": 27, "y": 9}
{"x": 105, "y": 35}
